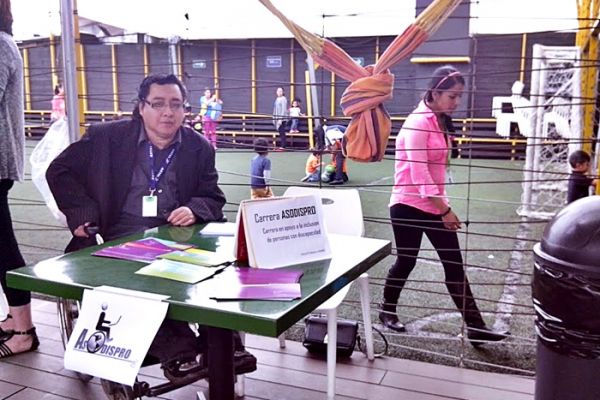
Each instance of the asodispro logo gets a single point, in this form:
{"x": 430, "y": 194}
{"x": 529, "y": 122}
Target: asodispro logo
{"x": 98, "y": 341}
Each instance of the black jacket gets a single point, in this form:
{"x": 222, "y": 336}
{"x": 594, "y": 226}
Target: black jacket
{"x": 90, "y": 179}
{"x": 579, "y": 186}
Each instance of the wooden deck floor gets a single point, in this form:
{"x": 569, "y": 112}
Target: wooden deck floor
{"x": 282, "y": 374}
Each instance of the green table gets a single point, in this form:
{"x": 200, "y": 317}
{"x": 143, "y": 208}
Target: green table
{"x": 68, "y": 275}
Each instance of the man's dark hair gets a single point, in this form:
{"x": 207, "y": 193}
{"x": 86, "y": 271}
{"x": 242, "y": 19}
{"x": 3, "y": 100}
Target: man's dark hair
{"x": 158, "y": 79}
{"x": 261, "y": 146}
{"x": 578, "y": 157}
{"x": 6, "y": 19}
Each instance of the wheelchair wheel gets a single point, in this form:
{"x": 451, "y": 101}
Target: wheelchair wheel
{"x": 68, "y": 312}
{"x": 117, "y": 391}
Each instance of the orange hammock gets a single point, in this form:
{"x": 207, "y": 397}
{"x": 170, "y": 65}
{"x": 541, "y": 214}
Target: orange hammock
{"x": 369, "y": 129}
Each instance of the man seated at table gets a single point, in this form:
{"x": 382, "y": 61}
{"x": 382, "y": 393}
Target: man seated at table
{"x": 134, "y": 174}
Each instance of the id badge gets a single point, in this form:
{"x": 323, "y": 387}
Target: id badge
{"x": 149, "y": 206}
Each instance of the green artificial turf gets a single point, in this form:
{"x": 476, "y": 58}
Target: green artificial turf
{"x": 482, "y": 204}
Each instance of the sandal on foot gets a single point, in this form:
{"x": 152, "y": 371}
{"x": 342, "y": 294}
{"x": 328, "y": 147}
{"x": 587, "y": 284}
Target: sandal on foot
{"x": 6, "y": 334}
{"x": 6, "y": 351}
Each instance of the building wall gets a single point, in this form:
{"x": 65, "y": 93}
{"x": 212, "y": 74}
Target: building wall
{"x": 495, "y": 64}
{"x": 40, "y": 78}
{"x": 452, "y": 38}
{"x": 130, "y": 61}
{"x": 273, "y": 66}
{"x": 198, "y": 67}
{"x": 99, "y": 77}
{"x": 158, "y": 58}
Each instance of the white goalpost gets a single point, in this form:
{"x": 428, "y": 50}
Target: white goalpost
{"x": 554, "y": 116}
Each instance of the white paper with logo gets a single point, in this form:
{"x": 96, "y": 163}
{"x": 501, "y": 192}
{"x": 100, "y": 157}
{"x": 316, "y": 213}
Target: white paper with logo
{"x": 113, "y": 333}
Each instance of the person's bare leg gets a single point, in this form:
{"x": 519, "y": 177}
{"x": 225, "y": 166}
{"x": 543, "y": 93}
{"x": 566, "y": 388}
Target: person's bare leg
{"x": 8, "y": 324}
{"x": 21, "y": 321}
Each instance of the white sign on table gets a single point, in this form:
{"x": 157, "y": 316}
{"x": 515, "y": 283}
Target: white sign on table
{"x": 281, "y": 231}
{"x": 114, "y": 330}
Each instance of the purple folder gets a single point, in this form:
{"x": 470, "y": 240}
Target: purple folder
{"x": 160, "y": 244}
{"x": 133, "y": 253}
{"x": 150, "y": 242}
{"x": 257, "y": 276}
{"x": 277, "y": 292}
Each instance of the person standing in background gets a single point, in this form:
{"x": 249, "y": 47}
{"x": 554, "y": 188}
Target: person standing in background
{"x": 214, "y": 113}
{"x": 280, "y": 115}
{"x": 210, "y": 110}
{"x": 17, "y": 333}
{"x": 58, "y": 104}
{"x": 295, "y": 114}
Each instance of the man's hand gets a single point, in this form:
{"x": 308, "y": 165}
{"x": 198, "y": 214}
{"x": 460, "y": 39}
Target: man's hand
{"x": 80, "y": 231}
{"x": 182, "y": 216}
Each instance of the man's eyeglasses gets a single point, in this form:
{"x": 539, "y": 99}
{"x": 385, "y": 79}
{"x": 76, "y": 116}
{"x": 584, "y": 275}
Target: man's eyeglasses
{"x": 162, "y": 106}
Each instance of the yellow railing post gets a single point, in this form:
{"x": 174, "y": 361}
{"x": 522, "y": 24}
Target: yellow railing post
{"x": 292, "y": 71}
{"x": 115, "y": 81}
{"x": 587, "y": 40}
{"x": 216, "y": 68}
{"x": 53, "y": 71}
{"x": 179, "y": 61}
{"x": 253, "y": 76}
{"x": 27, "y": 79}
{"x": 309, "y": 113}
{"x": 80, "y": 68}
{"x": 332, "y": 88}
{"x": 523, "y": 57}
{"x": 146, "y": 60}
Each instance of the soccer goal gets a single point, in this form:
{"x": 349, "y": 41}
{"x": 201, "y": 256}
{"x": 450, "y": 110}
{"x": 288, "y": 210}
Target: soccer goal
{"x": 554, "y": 117}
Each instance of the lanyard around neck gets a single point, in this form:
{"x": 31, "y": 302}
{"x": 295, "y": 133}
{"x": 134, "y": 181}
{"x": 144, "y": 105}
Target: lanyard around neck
{"x": 155, "y": 176}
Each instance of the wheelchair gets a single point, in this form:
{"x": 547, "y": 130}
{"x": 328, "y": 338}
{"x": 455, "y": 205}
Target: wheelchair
{"x": 68, "y": 311}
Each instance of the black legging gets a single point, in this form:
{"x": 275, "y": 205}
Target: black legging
{"x": 339, "y": 165}
{"x": 282, "y": 134}
{"x": 409, "y": 224}
{"x": 10, "y": 256}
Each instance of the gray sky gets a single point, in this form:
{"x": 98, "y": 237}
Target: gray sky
{"x": 249, "y": 19}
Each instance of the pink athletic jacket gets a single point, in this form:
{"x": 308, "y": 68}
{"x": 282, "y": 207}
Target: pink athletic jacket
{"x": 421, "y": 157}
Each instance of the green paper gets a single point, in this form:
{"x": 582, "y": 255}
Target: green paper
{"x": 177, "y": 271}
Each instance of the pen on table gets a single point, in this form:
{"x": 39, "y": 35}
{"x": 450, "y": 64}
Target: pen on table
{"x": 218, "y": 271}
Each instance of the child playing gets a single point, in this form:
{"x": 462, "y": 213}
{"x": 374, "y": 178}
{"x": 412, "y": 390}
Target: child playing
{"x": 295, "y": 112}
{"x": 579, "y": 182}
{"x": 333, "y": 141}
{"x": 313, "y": 167}
{"x": 260, "y": 171}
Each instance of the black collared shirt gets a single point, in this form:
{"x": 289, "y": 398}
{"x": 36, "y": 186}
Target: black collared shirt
{"x": 130, "y": 219}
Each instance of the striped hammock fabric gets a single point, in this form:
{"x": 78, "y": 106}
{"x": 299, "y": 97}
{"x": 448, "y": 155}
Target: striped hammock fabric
{"x": 370, "y": 125}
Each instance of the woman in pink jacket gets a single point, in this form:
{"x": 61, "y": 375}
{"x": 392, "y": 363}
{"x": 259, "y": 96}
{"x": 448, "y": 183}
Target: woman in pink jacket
{"x": 419, "y": 205}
